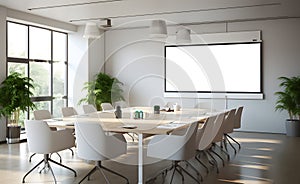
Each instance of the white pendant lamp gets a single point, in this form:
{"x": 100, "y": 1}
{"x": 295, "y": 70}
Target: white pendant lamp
{"x": 158, "y": 29}
{"x": 91, "y": 31}
{"x": 183, "y": 35}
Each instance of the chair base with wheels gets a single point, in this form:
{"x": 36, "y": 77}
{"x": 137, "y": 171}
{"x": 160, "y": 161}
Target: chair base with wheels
{"x": 175, "y": 167}
{"x": 47, "y": 161}
{"x": 99, "y": 167}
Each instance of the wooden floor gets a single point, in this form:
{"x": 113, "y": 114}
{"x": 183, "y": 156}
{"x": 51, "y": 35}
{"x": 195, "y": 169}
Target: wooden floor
{"x": 264, "y": 158}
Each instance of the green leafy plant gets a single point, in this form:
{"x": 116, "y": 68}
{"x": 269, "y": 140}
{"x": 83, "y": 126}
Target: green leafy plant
{"x": 289, "y": 97}
{"x": 15, "y": 92}
{"x": 103, "y": 89}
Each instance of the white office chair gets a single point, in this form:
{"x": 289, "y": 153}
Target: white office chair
{"x": 176, "y": 148}
{"x": 42, "y": 140}
{"x": 200, "y": 132}
{"x": 89, "y": 108}
{"x": 106, "y": 106}
{"x": 228, "y": 128}
{"x": 41, "y": 115}
{"x": 219, "y": 138}
{"x": 205, "y": 138}
{"x": 94, "y": 144}
{"x": 68, "y": 111}
{"x": 237, "y": 123}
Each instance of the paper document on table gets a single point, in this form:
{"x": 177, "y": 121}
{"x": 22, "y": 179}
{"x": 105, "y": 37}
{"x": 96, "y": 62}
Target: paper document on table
{"x": 181, "y": 122}
{"x": 171, "y": 125}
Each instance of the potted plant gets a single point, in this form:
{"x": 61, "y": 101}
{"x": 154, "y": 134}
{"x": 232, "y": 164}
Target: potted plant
{"x": 103, "y": 89}
{"x": 15, "y": 92}
{"x": 289, "y": 100}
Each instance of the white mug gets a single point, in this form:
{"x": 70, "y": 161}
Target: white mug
{"x": 176, "y": 107}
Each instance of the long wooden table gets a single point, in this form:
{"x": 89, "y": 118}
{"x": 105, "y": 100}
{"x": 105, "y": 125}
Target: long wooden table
{"x": 163, "y": 123}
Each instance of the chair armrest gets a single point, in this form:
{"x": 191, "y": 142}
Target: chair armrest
{"x": 62, "y": 139}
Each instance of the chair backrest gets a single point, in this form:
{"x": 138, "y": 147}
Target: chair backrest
{"x": 68, "y": 111}
{"x": 211, "y": 131}
{"x": 106, "y": 106}
{"x": 89, "y": 108}
{"x": 190, "y": 142}
{"x": 229, "y": 121}
{"x": 174, "y": 147}
{"x": 94, "y": 144}
{"x": 203, "y": 134}
{"x": 41, "y": 114}
{"x": 238, "y": 117}
{"x": 38, "y": 136}
{"x": 42, "y": 140}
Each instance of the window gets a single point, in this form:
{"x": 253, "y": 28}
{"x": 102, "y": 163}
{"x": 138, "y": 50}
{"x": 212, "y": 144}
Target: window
{"x": 42, "y": 55}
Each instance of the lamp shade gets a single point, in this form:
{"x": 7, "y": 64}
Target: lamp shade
{"x": 91, "y": 30}
{"x": 183, "y": 35}
{"x": 158, "y": 29}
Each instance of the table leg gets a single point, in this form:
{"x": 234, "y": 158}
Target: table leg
{"x": 140, "y": 159}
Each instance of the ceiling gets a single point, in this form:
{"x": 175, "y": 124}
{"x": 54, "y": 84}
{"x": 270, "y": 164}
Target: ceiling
{"x": 138, "y": 12}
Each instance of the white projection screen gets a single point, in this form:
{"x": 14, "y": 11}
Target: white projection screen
{"x": 219, "y": 68}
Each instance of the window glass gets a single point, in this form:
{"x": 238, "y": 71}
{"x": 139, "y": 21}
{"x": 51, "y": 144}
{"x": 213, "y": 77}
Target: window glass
{"x": 41, "y": 54}
{"x": 39, "y": 43}
{"x": 40, "y": 72}
{"x": 17, "y": 39}
{"x": 59, "y": 47}
{"x": 21, "y": 68}
{"x": 58, "y": 103}
{"x": 59, "y": 78}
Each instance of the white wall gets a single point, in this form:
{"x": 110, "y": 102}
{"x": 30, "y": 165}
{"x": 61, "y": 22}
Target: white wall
{"x": 86, "y": 59}
{"x": 138, "y": 62}
{"x": 78, "y": 67}
{"x": 2, "y": 64}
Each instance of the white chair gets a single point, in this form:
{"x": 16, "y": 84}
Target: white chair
{"x": 89, "y": 108}
{"x": 228, "y": 128}
{"x": 68, "y": 111}
{"x": 42, "y": 140}
{"x": 106, "y": 106}
{"x": 94, "y": 144}
{"x": 41, "y": 114}
{"x": 219, "y": 138}
{"x": 206, "y": 136}
{"x": 176, "y": 148}
{"x": 237, "y": 123}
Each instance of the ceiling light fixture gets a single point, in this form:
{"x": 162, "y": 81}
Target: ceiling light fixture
{"x": 183, "y": 35}
{"x": 91, "y": 30}
{"x": 158, "y": 29}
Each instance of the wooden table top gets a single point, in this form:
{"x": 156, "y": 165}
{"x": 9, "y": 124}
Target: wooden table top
{"x": 163, "y": 123}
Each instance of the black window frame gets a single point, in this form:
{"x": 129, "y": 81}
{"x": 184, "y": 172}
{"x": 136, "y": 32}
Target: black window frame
{"x": 27, "y": 61}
